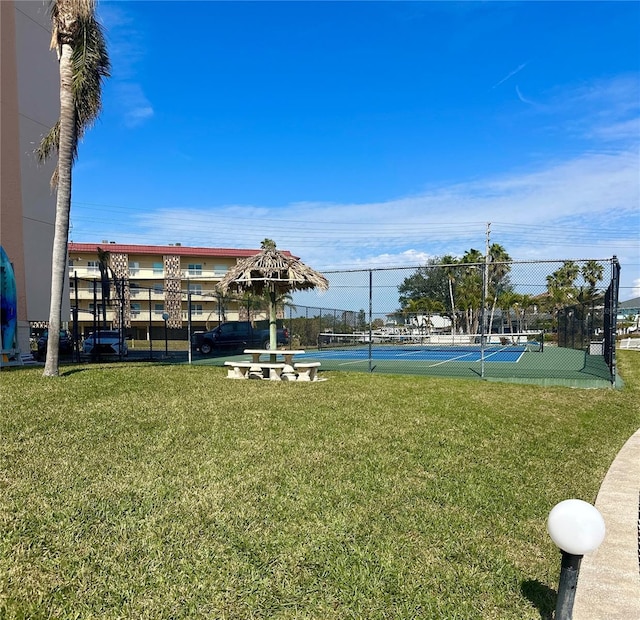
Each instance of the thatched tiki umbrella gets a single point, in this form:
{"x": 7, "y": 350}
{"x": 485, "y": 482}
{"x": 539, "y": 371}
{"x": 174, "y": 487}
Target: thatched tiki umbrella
{"x": 274, "y": 272}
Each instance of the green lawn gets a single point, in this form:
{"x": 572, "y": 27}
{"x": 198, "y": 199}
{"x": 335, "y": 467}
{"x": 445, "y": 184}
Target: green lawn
{"x": 150, "y": 491}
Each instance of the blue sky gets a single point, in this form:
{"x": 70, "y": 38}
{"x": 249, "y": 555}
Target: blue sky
{"x": 360, "y": 134}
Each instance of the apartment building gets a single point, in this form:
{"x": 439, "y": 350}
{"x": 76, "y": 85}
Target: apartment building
{"x": 153, "y": 287}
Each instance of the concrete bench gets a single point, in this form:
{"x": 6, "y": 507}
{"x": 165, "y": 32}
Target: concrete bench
{"x": 238, "y": 370}
{"x": 254, "y": 370}
{"x": 307, "y": 371}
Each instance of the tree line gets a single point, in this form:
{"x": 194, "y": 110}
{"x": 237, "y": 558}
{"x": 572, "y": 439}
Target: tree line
{"x": 453, "y": 287}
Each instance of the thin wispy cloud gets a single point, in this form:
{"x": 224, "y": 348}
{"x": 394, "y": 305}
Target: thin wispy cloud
{"x": 510, "y": 75}
{"x": 359, "y": 161}
{"x": 616, "y": 132}
{"x": 596, "y": 192}
{"x": 134, "y": 105}
{"x": 127, "y": 51}
{"x": 525, "y": 99}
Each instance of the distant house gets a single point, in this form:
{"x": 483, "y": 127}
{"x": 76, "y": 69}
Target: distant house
{"x": 629, "y": 313}
{"x": 433, "y": 322}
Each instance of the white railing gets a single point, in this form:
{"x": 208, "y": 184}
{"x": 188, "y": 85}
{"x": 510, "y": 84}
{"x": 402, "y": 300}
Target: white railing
{"x": 149, "y": 273}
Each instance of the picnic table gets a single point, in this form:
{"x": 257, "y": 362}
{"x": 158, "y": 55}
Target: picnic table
{"x": 272, "y": 368}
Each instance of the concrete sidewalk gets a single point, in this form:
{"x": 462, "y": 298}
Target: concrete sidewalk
{"x": 609, "y": 582}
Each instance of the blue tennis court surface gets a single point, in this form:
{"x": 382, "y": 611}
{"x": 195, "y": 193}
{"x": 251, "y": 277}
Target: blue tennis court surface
{"x": 419, "y": 355}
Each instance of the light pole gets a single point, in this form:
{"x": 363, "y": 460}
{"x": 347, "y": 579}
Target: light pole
{"x": 577, "y": 528}
{"x": 165, "y": 318}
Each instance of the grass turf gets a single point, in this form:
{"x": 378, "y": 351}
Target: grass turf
{"x": 136, "y": 490}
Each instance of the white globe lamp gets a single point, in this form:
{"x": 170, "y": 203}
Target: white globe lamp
{"x": 577, "y": 528}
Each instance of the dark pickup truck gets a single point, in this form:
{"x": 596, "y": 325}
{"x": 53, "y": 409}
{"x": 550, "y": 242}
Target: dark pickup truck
{"x": 235, "y": 336}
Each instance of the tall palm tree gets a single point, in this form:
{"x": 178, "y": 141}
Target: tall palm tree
{"x": 470, "y": 288}
{"x": 449, "y": 263}
{"x": 498, "y": 277}
{"x": 251, "y": 301}
{"x": 561, "y": 286}
{"x": 592, "y": 272}
{"x": 526, "y": 301}
{"x": 508, "y": 300}
{"x": 79, "y": 42}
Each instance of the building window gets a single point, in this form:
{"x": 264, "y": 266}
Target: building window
{"x": 93, "y": 265}
{"x": 195, "y": 269}
{"x": 158, "y": 289}
{"x": 158, "y": 308}
{"x": 220, "y": 270}
{"x": 134, "y": 268}
{"x": 195, "y": 289}
{"x": 70, "y": 263}
{"x": 196, "y": 309}
{"x": 158, "y": 268}
{"x": 136, "y": 309}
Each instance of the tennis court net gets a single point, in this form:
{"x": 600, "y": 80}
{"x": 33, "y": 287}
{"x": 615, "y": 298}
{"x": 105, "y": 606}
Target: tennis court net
{"x": 525, "y": 341}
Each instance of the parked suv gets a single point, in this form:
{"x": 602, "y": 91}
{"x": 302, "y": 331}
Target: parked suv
{"x": 105, "y": 343}
{"x": 65, "y": 347}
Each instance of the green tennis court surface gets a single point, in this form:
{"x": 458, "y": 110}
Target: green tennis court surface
{"x": 553, "y": 366}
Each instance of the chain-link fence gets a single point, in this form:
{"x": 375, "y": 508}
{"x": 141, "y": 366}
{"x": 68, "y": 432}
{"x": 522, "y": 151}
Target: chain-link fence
{"x": 488, "y": 319}
{"x": 480, "y": 314}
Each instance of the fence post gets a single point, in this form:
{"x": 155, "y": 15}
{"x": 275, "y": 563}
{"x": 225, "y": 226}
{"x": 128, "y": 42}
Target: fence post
{"x": 613, "y": 315}
{"x": 189, "y": 323}
{"x": 370, "y": 317}
{"x": 76, "y": 344}
{"x": 150, "y": 328}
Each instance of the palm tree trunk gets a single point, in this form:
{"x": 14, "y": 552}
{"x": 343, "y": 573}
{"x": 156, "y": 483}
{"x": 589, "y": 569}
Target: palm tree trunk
{"x": 63, "y": 209}
{"x": 493, "y": 311}
{"x": 453, "y": 310}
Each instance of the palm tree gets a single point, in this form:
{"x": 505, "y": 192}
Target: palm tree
{"x": 561, "y": 286}
{"x": 526, "y": 301}
{"x": 592, "y": 272}
{"x": 498, "y": 277}
{"x": 508, "y": 300}
{"x": 79, "y": 42}
{"x": 449, "y": 263}
{"x": 426, "y": 306}
{"x": 470, "y": 288}
{"x": 251, "y": 301}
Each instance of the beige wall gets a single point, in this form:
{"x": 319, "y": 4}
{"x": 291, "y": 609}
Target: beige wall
{"x": 29, "y": 100}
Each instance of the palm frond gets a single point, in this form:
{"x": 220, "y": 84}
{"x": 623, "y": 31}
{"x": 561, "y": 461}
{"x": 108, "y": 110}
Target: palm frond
{"x": 74, "y": 23}
{"x": 49, "y": 143}
{"x": 91, "y": 65}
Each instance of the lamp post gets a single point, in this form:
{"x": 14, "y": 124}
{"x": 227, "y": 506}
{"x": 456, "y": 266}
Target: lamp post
{"x": 576, "y": 527}
{"x": 165, "y": 318}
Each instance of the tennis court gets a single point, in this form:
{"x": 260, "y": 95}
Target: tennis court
{"x": 515, "y": 360}
{"x": 418, "y": 355}
{"x": 417, "y": 347}
{"x": 553, "y": 366}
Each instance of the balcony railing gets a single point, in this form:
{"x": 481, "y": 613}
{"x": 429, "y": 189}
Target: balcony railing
{"x": 148, "y": 273}
{"x": 87, "y": 316}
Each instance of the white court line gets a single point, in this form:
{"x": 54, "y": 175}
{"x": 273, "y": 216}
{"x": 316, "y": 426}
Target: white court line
{"x": 327, "y": 355}
{"x": 461, "y": 357}
{"x": 452, "y": 359}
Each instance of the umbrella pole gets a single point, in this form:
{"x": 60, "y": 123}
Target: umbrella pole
{"x": 273, "y": 328}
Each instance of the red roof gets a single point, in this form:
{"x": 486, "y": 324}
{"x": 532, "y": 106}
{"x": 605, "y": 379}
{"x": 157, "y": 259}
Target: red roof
{"x": 174, "y": 250}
